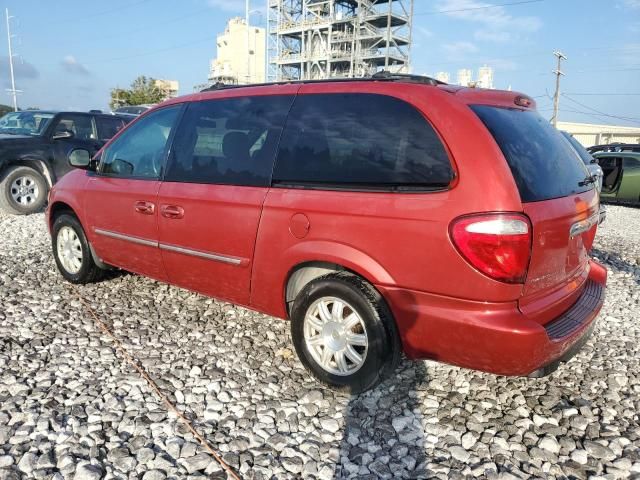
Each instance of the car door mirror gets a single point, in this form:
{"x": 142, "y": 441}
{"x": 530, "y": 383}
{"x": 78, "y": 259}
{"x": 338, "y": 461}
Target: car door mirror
{"x": 62, "y": 135}
{"x": 80, "y": 158}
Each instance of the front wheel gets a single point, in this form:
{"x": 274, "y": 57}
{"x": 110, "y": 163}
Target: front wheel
{"x": 23, "y": 190}
{"x": 343, "y": 332}
{"x": 71, "y": 251}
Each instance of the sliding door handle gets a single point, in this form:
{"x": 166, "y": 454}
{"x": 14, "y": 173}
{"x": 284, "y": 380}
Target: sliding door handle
{"x": 172, "y": 212}
{"x": 145, "y": 208}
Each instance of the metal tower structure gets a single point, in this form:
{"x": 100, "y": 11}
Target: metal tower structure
{"x": 316, "y": 39}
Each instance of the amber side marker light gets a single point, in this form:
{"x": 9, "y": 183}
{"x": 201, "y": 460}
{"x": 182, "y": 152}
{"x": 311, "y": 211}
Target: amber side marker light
{"x": 523, "y": 101}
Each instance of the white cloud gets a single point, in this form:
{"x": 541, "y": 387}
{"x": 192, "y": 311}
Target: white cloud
{"x": 235, "y": 6}
{"x": 425, "y": 32}
{"x": 495, "y": 17}
{"x": 502, "y": 64}
{"x": 628, "y": 55}
{"x": 71, "y": 65}
{"x": 631, "y": 3}
{"x": 493, "y": 36}
{"x": 459, "y": 49}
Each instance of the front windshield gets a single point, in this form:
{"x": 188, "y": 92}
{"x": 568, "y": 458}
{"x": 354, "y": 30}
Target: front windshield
{"x": 25, "y": 123}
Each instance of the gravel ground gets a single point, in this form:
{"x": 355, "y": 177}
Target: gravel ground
{"x": 71, "y": 408}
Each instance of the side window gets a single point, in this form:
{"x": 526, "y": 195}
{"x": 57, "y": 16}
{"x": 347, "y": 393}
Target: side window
{"x": 228, "y": 141}
{"x": 632, "y": 163}
{"x": 80, "y": 126}
{"x": 140, "y": 151}
{"x": 108, "y": 127}
{"x": 360, "y": 141}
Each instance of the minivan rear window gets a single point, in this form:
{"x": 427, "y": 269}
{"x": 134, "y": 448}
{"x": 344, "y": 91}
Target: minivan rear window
{"x": 359, "y": 141}
{"x": 541, "y": 161}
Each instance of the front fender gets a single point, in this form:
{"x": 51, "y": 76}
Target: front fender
{"x": 68, "y": 193}
{"x": 38, "y": 163}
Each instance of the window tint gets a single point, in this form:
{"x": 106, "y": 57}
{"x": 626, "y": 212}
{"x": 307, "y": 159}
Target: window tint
{"x": 108, "y": 127}
{"x": 140, "y": 151}
{"x": 585, "y": 156}
{"x": 230, "y": 141}
{"x": 542, "y": 162}
{"x": 80, "y": 126}
{"x": 360, "y": 141}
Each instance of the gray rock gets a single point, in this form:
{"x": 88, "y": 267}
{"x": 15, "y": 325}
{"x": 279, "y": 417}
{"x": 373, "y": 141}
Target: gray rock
{"x": 549, "y": 444}
{"x": 197, "y": 462}
{"x": 154, "y": 475}
{"x": 459, "y": 453}
{"x": 28, "y": 462}
{"x": 599, "y": 451}
{"x": 330, "y": 425}
{"x": 292, "y": 464}
{"x": 87, "y": 471}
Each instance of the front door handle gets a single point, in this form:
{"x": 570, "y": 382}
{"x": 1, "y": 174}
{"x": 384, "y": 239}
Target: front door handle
{"x": 172, "y": 212}
{"x": 146, "y": 208}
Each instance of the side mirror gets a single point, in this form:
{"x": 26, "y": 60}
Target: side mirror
{"x": 80, "y": 158}
{"x": 62, "y": 135}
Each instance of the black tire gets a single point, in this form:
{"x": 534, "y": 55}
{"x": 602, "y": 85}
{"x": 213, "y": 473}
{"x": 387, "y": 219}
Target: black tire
{"x": 88, "y": 272}
{"x": 33, "y": 198}
{"x": 384, "y": 348}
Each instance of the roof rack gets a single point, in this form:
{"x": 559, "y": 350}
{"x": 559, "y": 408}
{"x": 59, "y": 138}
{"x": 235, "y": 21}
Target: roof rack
{"x": 615, "y": 147}
{"x": 382, "y": 76}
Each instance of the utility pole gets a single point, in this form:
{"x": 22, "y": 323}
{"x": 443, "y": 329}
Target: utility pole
{"x": 247, "y": 14}
{"x": 556, "y": 98}
{"x": 13, "y": 90}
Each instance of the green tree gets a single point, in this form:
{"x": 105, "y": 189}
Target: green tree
{"x": 4, "y": 109}
{"x": 143, "y": 90}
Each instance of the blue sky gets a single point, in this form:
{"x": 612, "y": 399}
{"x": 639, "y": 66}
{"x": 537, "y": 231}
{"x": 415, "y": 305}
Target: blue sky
{"x": 72, "y": 52}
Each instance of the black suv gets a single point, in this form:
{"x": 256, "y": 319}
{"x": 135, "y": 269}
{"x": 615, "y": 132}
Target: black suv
{"x": 34, "y": 145}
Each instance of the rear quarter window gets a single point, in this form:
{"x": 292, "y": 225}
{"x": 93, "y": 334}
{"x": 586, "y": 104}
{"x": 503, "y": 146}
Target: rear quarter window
{"x": 360, "y": 141}
{"x": 541, "y": 161}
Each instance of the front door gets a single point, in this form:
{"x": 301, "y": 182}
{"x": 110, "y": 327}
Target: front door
{"x": 210, "y": 201}
{"x": 67, "y": 132}
{"x": 121, "y": 199}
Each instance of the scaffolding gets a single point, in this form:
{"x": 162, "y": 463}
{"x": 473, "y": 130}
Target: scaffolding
{"x": 316, "y": 39}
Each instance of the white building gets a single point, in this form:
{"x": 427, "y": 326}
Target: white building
{"x": 443, "y": 77}
{"x": 169, "y": 88}
{"x": 465, "y": 77}
{"x": 485, "y": 77}
{"x": 589, "y": 134}
{"x": 241, "y": 54}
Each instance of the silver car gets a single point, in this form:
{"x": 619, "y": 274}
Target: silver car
{"x": 591, "y": 163}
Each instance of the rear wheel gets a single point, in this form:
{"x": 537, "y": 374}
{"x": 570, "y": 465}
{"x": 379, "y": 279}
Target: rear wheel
{"x": 71, "y": 251}
{"x": 23, "y": 190}
{"x": 343, "y": 332}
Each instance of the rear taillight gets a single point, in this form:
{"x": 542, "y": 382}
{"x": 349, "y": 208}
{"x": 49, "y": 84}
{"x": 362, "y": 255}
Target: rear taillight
{"x": 498, "y": 245}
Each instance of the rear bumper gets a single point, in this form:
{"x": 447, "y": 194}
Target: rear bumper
{"x": 494, "y": 337}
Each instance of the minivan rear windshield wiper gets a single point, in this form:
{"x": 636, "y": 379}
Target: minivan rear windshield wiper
{"x": 589, "y": 179}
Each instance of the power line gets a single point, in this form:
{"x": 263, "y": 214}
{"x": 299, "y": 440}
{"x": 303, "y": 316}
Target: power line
{"x": 629, "y": 119}
{"x": 99, "y": 14}
{"x": 601, "y": 117}
{"x": 602, "y": 94}
{"x": 485, "y": 7}
{"x": 153, "y": 52}
{"x": 155, "y": 25}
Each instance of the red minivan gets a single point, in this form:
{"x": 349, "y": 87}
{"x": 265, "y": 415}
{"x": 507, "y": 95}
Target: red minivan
{"x": 383, "y": 215}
